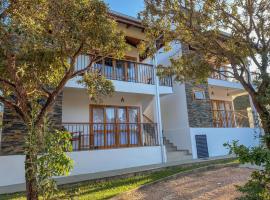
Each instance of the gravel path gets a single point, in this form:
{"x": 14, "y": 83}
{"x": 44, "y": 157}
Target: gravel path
{"x": 215, "y": 184}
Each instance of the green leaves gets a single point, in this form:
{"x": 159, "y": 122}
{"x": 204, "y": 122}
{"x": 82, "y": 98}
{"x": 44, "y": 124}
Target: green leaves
{"x": 40, "y": 42}
{"x": 38, "y": 37}
{"x": 97, "y": 85}
{"x": 256, "y": 155}
{"x": 54, "y": 160}
{"x": 222, "y": 32}
{"x": 46, "y": 151}
{"x": 189, "y": 67}
{"x": 258, "y": 187}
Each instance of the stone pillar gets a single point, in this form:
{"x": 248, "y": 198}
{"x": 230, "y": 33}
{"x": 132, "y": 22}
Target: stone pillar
{"x": 13, "y": 133}
{"x": 14, "y": 129}
{"x": 199, "y": 111}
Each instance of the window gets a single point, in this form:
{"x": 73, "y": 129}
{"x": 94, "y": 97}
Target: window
{"x": 198, "y": 94}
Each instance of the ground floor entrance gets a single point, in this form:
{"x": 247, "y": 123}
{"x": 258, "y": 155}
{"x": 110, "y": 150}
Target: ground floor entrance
{"x": 119, "y": 121}
{"x": 115, "y": 126}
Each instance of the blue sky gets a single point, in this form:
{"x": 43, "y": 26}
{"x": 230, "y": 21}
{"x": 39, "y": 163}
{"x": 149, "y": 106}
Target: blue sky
{"x": 128, "y": 7}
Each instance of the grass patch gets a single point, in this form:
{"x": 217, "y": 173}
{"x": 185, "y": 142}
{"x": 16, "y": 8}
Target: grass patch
{"x": 107, "y": 189}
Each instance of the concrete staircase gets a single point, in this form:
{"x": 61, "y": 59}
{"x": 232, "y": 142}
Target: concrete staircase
{"x": 173, "y": 154}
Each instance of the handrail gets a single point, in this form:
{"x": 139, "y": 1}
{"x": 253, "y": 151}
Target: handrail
{"x": 89, "y": 136}
{"x": 88, "y": 123}
{"x": 147, "y": 118}
{"x": 140, "y": 63}
{"x": 123, "y": 70}
{"x": 233, "y": 111}
{"x": 236, "y": 112}
{"x": 227, "y": 118}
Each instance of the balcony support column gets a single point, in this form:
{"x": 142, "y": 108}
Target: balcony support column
{"x": 158, "y": 111}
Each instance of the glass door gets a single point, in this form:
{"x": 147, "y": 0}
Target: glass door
{"x": 120, "y": 70}
{"x": 122, "y": 126}
{"x": 131, "y": 72}
{"x": 134, "y": 128}
{"x": 110, "y": 134}
{"x": 98, "y": 127}
{"x": 108, "y": 68}
{"x": 113, "y": 126}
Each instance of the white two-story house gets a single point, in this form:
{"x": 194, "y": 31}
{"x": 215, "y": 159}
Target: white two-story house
{"x": 148, "y": 120}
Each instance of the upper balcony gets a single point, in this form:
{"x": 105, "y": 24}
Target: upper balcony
{"x": 223, "y": 79}
{"x": 127, "y": 76}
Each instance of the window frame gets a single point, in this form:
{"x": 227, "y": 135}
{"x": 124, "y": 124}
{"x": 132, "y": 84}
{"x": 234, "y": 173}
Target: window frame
{"x": 194, "y": 91}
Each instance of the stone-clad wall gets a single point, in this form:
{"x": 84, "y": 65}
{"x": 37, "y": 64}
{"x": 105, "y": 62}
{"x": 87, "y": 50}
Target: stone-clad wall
{"x": 199, "y": 111}
{"x": 14, "y": 130}
{"x": 12, "y": 138}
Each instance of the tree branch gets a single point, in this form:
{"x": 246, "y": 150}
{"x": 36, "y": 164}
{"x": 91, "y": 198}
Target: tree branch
{"x": 53, "y": 95}
{"x": 14, "y": 107}
{"x": 8, "y": 83}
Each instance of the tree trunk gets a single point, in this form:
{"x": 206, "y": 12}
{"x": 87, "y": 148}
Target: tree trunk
{"x": 265, "y": 120}
{"x": 30, "y": 175}
{"x": 264, "y": 115}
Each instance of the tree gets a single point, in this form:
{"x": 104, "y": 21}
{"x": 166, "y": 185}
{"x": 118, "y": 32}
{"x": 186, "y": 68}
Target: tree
{"x": 218, "y": 32}
{"x": 40, "y": 42}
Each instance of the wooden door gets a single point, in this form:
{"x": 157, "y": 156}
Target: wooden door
{"x": 113, "y": 126}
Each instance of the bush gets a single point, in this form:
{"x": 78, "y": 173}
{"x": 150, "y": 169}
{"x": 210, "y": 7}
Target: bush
{"x": 258, "y": 187}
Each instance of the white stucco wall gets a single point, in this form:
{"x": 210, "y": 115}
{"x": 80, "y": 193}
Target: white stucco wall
{"x": 163, "y": 57}
{"x": 216, "y": 137}
{"x": 104, "y": 160}
{"x": 11, "y": 170}
{"x": 12, "y": 167}
{"x": 226, "y": 84}
{"x": 175, "y": 117}
{"x": 220, "y": 94}
{"x": 124, "y": 86}
{"x": 76, "y": 103}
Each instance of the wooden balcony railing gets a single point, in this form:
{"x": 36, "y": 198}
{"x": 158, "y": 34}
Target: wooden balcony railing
{"x": 230, "y": 119}
{"x": 91, "y": 136}
{"x": 123, "y": 70}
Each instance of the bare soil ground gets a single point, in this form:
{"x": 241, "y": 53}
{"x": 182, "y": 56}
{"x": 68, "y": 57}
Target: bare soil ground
{"x": 216, "y": 184}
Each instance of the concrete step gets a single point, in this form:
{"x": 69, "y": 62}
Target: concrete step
{"x": 174, "y": 154}
{"x": 171, "y": 148}
{"x": 177, "y": 156}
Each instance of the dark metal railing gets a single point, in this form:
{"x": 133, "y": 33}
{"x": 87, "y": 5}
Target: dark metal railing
{"x": 166, "y": 81}
{"x": 123, "y": 70}
{"x": 90, "y": 136}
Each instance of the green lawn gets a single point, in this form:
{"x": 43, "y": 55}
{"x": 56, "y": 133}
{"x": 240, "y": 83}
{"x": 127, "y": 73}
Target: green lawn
{"x": 108, "y": 189}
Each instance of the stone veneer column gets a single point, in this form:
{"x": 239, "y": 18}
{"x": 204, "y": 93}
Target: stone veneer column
{"x": 14, "y": 130}
{"x": 199, "y": 111}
